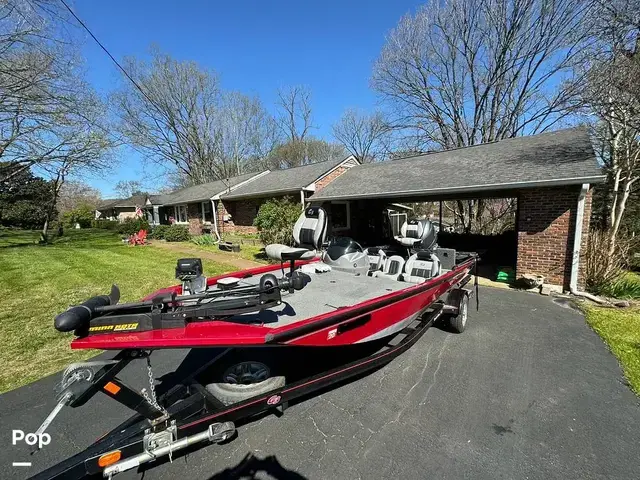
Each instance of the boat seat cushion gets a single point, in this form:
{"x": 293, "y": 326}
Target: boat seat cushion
{"x": 420, "y": 267}
{"x": 392, "y": 269}
{"x": 277, "y": 251}
{"x": 308, "y": 235}
{"x": 417, "y": 232}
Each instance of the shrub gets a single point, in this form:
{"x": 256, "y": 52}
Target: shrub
{"x": 23, "y": 214}
{"x": 105, "y": 224}
{"x": 626, "y": 286}
{"x": 177, "y": 233}
{"x": 158, "y": 232}
{"x": 602, "y": 270}
{"x": 275, "y": 221}
{"x": 206, "y": 239}
{"x": 133, "y": 225}
{"x": 83, "y": 215}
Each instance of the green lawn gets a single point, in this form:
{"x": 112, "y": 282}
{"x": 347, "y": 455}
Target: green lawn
{"x": 40, "y": 281}
{"x": 620, "y": 329}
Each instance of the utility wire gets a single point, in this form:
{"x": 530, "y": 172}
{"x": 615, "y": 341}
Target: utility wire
{"x": 122, "y": 69}
{"x": 126, "y": 74}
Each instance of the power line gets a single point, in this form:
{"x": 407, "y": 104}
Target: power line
{"x": 122, "y": 69}
{"x": 126, "y": 74}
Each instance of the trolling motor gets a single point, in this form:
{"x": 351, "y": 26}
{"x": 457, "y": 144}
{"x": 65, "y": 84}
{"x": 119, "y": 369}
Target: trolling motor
{"x": 102, "y": 314}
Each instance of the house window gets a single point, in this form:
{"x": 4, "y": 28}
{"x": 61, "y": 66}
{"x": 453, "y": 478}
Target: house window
{"x": 207, "y": 212}
{"x": 340, "y": 216}
{"x": 180, "y": 213}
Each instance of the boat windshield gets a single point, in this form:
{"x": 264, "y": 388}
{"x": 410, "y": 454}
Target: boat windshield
{"x": 340, "y": 246}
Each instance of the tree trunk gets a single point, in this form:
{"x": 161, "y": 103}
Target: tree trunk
{"x": 43, "y": 234}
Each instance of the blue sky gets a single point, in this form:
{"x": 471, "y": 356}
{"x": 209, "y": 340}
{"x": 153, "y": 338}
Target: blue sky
{"x": 255, "y": 46}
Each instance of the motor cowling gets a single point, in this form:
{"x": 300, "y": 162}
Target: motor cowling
{"x": 79, "y": 316}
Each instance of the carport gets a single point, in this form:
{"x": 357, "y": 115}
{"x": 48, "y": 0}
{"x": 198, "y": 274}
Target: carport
{"x": 549, "y": 174}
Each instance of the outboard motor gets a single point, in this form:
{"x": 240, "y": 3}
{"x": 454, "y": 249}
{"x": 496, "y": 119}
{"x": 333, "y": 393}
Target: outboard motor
{"x": 345, "y": 254}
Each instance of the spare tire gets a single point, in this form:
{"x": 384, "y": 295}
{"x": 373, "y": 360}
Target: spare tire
{"x": 244, "y": 380}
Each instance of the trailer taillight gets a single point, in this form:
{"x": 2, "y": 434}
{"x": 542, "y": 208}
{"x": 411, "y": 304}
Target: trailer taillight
{"x": 109, "y": 458}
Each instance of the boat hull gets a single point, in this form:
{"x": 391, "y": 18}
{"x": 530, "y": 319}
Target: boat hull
{"x": 367, "y": 321}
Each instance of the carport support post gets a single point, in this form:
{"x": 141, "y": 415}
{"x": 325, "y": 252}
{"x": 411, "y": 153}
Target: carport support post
{"x": 440, "y": 221}
{"x": 577, "y": 239}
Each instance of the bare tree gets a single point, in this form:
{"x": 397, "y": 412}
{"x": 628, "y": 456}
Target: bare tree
{"x": 181, "y": 119}
{"x": 172, "y": 120}
{"x": 611, "y": 94}
{"x": 128, "y": 188}
{"x": 249, "y": 133}
{"x": 76, "y": 193}
{"x": 295, "y": 122}
{"x": 295, "y": 119}
{"x": 464, "y": 72}
{"x": 362, "y": 135}
{"x": 84, "y": 154}
{"x": 43, "y": 98}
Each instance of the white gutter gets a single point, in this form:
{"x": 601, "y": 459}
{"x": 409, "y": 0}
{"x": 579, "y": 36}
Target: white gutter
{"x": 215, "y": 219}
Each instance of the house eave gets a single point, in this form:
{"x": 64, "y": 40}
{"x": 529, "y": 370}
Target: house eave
{"x": 464, "y": 189}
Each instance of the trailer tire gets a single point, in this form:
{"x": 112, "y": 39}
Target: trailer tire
{"x": 459, "y": 322}
{"x": 244, "y": 385}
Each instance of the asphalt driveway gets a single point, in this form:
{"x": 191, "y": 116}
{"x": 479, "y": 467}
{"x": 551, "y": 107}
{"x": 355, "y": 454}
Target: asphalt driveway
{"x": 529, "y": 391}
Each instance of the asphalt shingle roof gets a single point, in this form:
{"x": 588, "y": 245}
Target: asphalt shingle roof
{"x": 202, "y": 192}
{"x": 134, "y": 201}
{"x": 563, "y": 157}
{"x": 289, "y": 180}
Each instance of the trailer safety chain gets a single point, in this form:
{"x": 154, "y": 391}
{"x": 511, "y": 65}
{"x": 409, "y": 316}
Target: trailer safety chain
{"x": 152, "y": 400}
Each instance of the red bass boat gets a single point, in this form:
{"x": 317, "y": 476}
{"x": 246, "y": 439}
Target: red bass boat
{"x": 319, "y": 296}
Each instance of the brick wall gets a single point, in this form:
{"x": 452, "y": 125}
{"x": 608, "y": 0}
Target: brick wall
{"x": 546, "y": 226}
{"x": 242, "y": 213}
{"x": 323, "y": 182}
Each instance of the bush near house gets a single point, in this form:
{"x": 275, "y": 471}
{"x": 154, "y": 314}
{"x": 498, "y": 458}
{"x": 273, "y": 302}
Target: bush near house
{"x": 83, "y": 215}
{"x": 177, "y": 233}
{"x": 133, "y": 225}
{"x": 105, "y": 224}
{"x": 275, "y": 220}
{"x": 170, "y": 233}
{"x": 159, "y": 231}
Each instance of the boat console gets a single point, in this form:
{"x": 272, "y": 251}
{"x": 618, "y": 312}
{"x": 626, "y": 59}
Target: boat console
{"x": 345, "y": 254}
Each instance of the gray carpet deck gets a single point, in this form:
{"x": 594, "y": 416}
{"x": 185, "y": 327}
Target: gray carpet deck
{"x": 325, "y": 293}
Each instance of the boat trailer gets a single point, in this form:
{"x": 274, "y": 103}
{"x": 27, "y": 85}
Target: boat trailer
{"x": 183, "y": 413}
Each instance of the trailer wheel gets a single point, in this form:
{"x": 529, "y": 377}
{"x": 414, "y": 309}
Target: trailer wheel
{"x": 244, "y": 380}
{"x": 459, "y": 322}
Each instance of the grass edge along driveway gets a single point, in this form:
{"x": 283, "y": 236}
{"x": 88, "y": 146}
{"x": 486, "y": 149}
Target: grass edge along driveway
{"x": 39, "y": 282}
{"x": 620, "y": 330}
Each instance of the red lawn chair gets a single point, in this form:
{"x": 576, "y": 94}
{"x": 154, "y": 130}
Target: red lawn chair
{"x": 139, "y": 238}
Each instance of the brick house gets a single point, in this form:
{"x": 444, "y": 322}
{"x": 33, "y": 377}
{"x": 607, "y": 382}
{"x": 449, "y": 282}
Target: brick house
{"x": 120, "y": 208}
{"x": 230, "y": 205}
{"x": 195, "y": 206}
{"x": 549, "y": 174}
{"x": 238, "y": 207}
